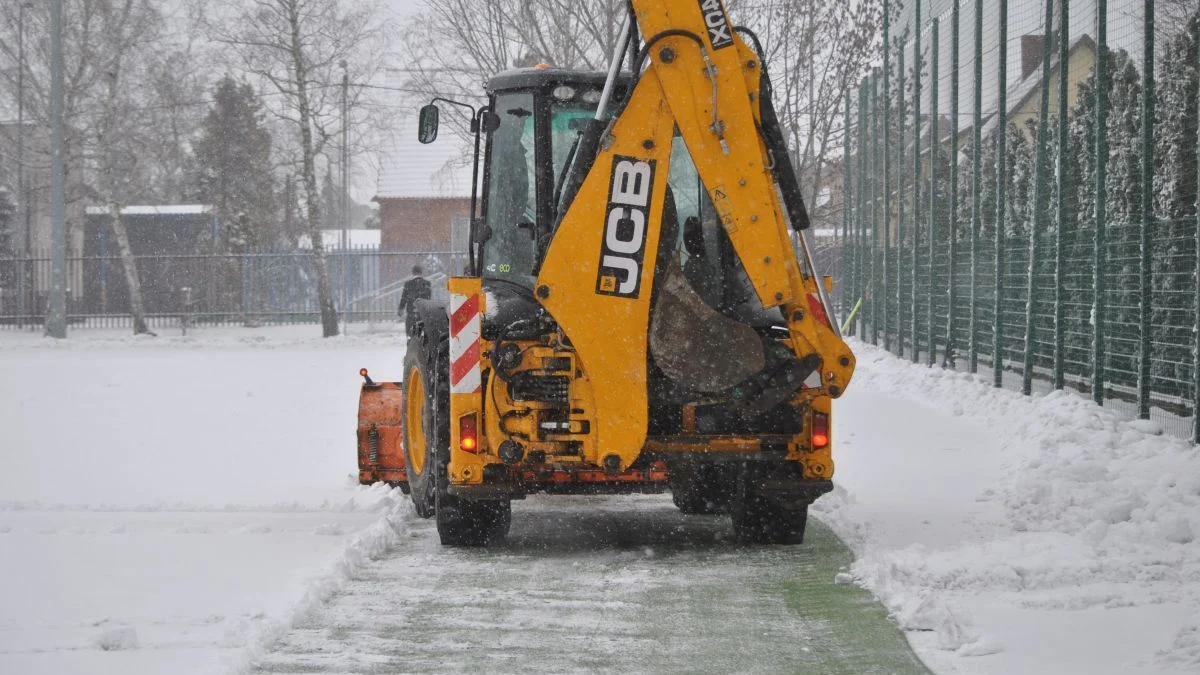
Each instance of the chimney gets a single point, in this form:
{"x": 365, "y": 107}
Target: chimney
{"x": 1031, "y": 54}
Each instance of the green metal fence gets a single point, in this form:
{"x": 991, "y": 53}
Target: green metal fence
{"x": 987, "y": 231}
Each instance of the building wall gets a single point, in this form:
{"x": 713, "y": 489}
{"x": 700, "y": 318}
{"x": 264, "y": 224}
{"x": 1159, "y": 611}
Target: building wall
{"x": 1079, "y": 67}
{"x": 421, "y": 225}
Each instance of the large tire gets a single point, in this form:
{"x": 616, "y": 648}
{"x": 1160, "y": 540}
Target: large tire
{"x": 759, "y": 519}
{"x": 466, "y": 522}
{"x": 460, "y": 522}
{"x": 426, "y": 419}
{"x": 700, "y": 489}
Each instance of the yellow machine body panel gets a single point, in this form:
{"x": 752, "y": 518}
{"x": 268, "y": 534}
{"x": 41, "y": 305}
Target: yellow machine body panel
{"x": 598, "y": 274}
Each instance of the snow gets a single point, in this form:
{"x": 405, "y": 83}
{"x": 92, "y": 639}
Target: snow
{"x": 1015, "y": 534}
{"x": 173, "y": 504}
{"x": 154, "y": 210}
{"x": 178, "y": 504}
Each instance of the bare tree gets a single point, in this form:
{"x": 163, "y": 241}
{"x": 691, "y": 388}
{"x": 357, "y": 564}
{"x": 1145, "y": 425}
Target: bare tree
{"x": 107, "y": 46}
{"x": 297, "y": 48}
{"x": 454, "y": 45}
{"x": 127, "y": 25}
{"x": 815, "y": 50}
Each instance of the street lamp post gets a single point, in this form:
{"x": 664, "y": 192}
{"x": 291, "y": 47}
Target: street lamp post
{"x": 23, "y": 220}
{"x": 342, "y": 200}
{"x": 56, "y": 315}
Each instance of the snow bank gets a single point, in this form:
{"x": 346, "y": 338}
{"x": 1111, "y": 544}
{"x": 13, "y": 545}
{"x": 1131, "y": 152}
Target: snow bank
{"x": 367, "y": 545}
{"x": 1055, "y": 505}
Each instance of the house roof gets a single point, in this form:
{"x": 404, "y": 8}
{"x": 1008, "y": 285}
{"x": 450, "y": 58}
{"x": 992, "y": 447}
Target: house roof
{"x": 408, "y": 169}
{"x": 1019, "y": 93}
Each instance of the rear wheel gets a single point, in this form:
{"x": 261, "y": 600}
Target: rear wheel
{"x": 460, "y": 522}
{"x": 468, "y": 522}
{"x": 426, "y": 429}
{"x": 700, "y": 489}
{"x": 759, "y": 518}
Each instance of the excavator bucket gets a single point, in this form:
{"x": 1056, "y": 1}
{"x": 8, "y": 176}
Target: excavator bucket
{"x": 381, "y": 434}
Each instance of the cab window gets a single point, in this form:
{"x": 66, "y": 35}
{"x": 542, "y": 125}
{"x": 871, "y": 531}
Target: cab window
{"x": 508, "y": 252}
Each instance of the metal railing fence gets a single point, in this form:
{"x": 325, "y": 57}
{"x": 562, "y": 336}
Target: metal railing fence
{"x": 1049, "y": 250}
{"x": 259, "y": 287}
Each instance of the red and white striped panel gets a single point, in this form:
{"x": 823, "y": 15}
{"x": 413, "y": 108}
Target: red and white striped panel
{"x": 464, "y": 344}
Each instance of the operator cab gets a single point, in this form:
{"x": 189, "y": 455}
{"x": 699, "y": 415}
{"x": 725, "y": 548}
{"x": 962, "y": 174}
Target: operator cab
{"x": 539, "y": 113}
{"x": 530, "y": 130}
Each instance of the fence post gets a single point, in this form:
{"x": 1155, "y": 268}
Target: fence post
{"x": 245, "y": 272}
{"x": 916, "y": 229}
{"x": 900, "y": 157}
{"x": 860, "y": 290}
{"x": 934, "y": 143}
{"x": 976, "y": 188}
{"x": 186, "y": 317}
{"x": 845, "y": 274}
{"x": 1100, "y": 257}
{"x": 1001, "y": 186}
{"x": 1039, "y": 207}
{"x": 1063, "y": 208}
{"x": 872, "y": 286}
{"x": 951, "y": 291}
{"x": 1147, "y": 229}
{"x": 887, "y": 172}
{"x": 1196, "y": 293}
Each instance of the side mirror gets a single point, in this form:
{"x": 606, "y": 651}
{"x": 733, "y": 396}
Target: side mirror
{"x": 490, "y": 121}
{"x": 427, "y": 130}
{"x": 828, "y": 281}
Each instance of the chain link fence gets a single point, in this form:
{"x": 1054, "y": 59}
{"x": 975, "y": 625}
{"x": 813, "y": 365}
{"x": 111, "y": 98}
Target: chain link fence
{"x": 986, "y": 230}
{"x": 260, "y": 287}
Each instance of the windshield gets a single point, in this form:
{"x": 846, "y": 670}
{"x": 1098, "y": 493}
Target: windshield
{"x": 567, "y": 120}
{"x": 515, "y": 151}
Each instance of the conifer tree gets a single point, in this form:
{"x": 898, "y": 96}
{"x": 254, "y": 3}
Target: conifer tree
{"x": 1124, "y": 203}
{"x": 233, "y": 160}
{"x": 1175, "y": 198}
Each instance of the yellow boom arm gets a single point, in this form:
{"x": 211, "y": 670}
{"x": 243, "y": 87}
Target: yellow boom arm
{"x": 597, "y": 278}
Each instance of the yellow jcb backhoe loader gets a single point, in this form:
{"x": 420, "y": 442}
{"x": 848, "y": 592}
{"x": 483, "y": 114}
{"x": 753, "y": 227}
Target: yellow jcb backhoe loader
{"x": 635, "y": 316}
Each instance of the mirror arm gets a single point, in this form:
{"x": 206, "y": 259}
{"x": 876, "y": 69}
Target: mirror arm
{"x": 468, "y": 106}
{"x": 473, "y": 269}
{"x": 477, "y": 129}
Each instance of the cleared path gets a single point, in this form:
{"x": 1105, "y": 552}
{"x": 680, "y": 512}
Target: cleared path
{"x": 601, "y": 584}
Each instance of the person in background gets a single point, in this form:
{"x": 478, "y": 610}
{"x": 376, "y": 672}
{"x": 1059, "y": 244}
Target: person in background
{"x": 416, "y": 288}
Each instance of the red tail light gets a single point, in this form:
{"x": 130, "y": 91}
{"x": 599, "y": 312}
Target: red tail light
{"x": 820, "y": 430}
{"x": 468, "y": 433}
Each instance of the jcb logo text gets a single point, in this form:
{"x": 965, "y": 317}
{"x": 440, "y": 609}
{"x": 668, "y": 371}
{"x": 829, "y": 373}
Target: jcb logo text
{"x": 718, "y": 25}
{"x": 624, "y": 247}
